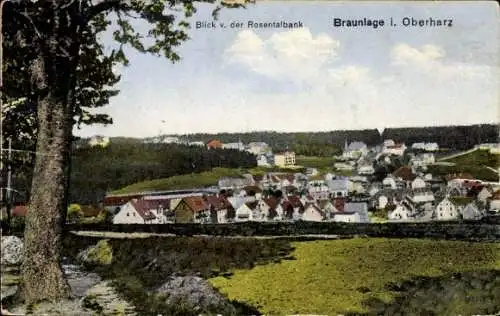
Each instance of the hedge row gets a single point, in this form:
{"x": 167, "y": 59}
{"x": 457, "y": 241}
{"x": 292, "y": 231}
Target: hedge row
{"x": 440, "y": 230}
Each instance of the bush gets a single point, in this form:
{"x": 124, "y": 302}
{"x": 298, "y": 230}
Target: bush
{"x": 75, "y": 213}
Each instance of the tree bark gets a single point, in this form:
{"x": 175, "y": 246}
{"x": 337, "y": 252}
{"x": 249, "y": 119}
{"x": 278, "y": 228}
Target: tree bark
{"x": 53, "y": 76}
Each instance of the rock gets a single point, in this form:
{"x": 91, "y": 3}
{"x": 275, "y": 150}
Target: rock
{"x": 196, "y": 292}
{"x": 8, "y": 291}
{"x": 80, "y": 281}
{"x": 104, "y": 300}
{"x": 100, "y": 254}
{"x": 12, "y": 250}
{"x": 62, "y": 308}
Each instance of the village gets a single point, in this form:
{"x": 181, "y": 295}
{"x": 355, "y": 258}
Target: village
{"x": 409, "y": 194}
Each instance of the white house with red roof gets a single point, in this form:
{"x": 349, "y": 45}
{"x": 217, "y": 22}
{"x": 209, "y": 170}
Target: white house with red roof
{"x": 141, "y": 211}
{"x": 313, "y": 213}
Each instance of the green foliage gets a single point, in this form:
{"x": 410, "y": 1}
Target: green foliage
{"x": 101, "y": 254}
{"x": 75, "y": 213}
{"x": 332, "y": 272}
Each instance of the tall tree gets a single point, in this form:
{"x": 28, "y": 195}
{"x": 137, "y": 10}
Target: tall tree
{"x": 55, "y": 42}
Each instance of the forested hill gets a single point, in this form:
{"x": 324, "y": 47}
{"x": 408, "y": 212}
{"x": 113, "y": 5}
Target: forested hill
{"x": 279, "y": 140}
{"x": 457, "y": 137}
{"x": 97, "y": 170}
{"x": 451, "y": 137}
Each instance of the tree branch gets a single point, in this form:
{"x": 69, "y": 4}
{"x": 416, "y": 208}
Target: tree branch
{"x": 107, "y": 5}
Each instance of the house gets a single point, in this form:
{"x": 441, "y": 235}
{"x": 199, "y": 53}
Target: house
{"x": 313, "y": 213}
{"x": 251, "y": 190}
{"x": 235, "y": 146}
{"x": 353, "y": 212}
{"x": 234, "y": 182}
{"x": 258, "y": 148}
{"x": 494, "y": 201}
{"x": 366, "y": 169}
{"x": 404, "y": 174}
{"x": 310, "y": 172}
{"x": 425, "y": 146}
{"x": 318, "y": 189}
{"x": 448, "y": 209}
{"x": 220, "y": 208}
{"x": 484, "y": 194}
{"x": 471, "y": 212}
{"x": 400, "y": 213}
{"x": 355, "y": 150}
{"x": 214, "y": 144}
{"x": 141, "y": 211}
{"x": 418, "y": 183}
{"x": 113, "y": 204}
{"x": 373, "y": 189}
{"x": 338, "y": 187}
{"x": 389, "y": 182}
{"x": 263, "y": 161}
{"x": 193, "y": 209}
{"x": 197, "y": 143}
{"x": 247, "y": 212}
{"x": 270, "y": 209}
{"x": 396, "y": 149}
{"x": 284, "y": 159}
{"x": 296, "y": 205}
{"x": 421, "y": 195}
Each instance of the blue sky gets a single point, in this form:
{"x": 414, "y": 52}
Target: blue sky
{"x": 316, "y": 78}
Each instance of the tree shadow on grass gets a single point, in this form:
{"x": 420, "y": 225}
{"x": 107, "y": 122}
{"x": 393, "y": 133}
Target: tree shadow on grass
{"x": 467, "y": 293}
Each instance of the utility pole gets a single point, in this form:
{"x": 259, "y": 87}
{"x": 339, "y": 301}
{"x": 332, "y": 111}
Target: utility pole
{"x": 9, "y": 185}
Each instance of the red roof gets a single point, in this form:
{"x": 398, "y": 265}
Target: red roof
{"x": 214, "y": 144}
{"x": 272, "y": 202}
{"x": 196, "y": 203}
{"x": 295, "y": 201}
{"x": 19, "y": 210}
{"x": 144, "y": 207}
{"x": 339, "y": 204}
{"x": 217, "y": 202}
{"x": 254, "y": 188}
{"x": 404, "y": 173}
{"x": 119, "y": 200}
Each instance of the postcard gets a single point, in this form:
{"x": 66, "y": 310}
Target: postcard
{"x": 250, "y": 157}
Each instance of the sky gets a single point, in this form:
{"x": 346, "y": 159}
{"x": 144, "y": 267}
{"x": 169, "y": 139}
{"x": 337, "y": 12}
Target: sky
{"x": 318, "y": 77}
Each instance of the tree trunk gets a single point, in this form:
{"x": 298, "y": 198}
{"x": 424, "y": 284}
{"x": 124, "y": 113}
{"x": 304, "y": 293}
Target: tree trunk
{"x": 53, "y": 76}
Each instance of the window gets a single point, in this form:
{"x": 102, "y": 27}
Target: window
{"x": 128, "y": 214}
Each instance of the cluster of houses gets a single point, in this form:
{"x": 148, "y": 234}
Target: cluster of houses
{"x": 407, "y": 194}
{"x": 263, "y": 152}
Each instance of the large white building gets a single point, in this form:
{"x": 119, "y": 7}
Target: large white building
{"x": 285, "y": 159}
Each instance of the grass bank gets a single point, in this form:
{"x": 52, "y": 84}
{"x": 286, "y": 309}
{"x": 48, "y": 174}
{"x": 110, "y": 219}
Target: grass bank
{"x": 334, "y": 277}
{"x": 186, "y": 181}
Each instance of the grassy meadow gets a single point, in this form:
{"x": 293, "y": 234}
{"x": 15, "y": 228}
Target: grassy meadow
{"x": 339, "y": 276}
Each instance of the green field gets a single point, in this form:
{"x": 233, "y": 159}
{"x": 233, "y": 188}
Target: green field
{"x": 315, "y": 162}
{"x": 477, "y": 158}
{"x": 193, "y": 180}
{"x": 333, "y": 277}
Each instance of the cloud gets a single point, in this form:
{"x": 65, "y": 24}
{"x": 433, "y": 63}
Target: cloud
{"x": 296, "y": 51}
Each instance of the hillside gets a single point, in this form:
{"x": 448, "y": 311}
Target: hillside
{"x": 186, "y": 181}
{"x": 479, "y": 163}
{"x": 478, "y": 157}
{"x": 97, "y": 170}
